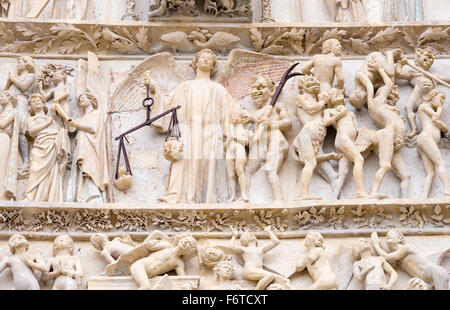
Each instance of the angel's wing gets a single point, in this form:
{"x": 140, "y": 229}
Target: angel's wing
{"x": 243, "y": 65}
{"x": 129, "y": 95}
{"x": 341, "y": 260}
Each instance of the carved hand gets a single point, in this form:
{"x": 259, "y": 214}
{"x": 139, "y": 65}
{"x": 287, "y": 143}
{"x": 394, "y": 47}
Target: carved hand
{"x": 324, "y": 97}
{"x": 73, "y": 123}
{"x": 375, "y": 238}
{"x": 148, "y": 81}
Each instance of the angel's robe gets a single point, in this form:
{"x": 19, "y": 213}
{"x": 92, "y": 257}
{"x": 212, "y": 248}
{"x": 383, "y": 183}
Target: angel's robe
{"x": 92, "y": 159}
{"x": 204, "y": 120}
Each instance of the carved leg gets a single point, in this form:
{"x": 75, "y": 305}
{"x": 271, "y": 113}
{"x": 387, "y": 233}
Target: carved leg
{"x": 240, "y": 170}
{"x": 344, "y": 168}
{"x": 440, "y": 277}
{"x": 253, "y": 165}
{"x": 385, "y": 154}
{"x": 431, "y": 173}
{"x": 139, "y": 274}
{"x": 306, "y": 175}
{"x": 231, "y": 178}
{"x": 431, "y": 151}
{"x": 410, "y": 108}
{"x": 400, "y": 170}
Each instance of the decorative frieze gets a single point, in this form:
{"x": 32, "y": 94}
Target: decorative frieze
{"x": 146, "y": 38}
{"x": 335, "y": 217}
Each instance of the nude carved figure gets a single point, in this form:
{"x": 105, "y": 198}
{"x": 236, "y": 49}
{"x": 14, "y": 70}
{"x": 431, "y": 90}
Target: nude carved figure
{"x": 395, "y": 250}
{"x": 372, "y": 269}
{"x": 253, "y": 256}
{"x": 317, "y": 264}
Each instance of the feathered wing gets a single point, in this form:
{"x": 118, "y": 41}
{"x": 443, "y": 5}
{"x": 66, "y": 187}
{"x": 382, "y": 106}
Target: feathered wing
{"x": 243, "y": 65}
{"x": 129, "y": 95}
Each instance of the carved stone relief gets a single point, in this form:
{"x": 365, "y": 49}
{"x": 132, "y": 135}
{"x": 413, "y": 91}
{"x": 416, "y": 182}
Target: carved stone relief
{"x": 211, "y": 129}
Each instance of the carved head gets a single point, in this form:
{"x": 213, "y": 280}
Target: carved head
{"x": 59, "y": 75}
{"x": 309, "y": 84}
{"x": 187, "y": 246}
{"x": 206, "y": 60}
{"x": 224, "y": 270}
{"x": 211, "y": 256}
{"x": 8, "y": 97}
{"x": 357, "y": 98}
{"x": 36, "y": 104}
{"x": 25, "y": 62}
{"x": 332, "y": 46}
{"x": 435, "y": 98}
{"x": 394, "y": 237}
{"x": 416, "y": 284}
{"x": 361, "y": 246}
{"x": 63, "y": 242}
{"x": 86, "y": 99}
{"x": 17, "y": 241}
{"x": 98, "y": 241}
{"x": 314, "y": 240}
{"x": 263, "y": 88}
{"x": 424, "y": 57}
{"x": 248, "y": 238}
{"x": 336, "y": 97}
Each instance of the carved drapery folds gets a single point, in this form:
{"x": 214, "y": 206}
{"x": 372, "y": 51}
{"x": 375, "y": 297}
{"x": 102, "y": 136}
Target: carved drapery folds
{"x": 241, "y": 176}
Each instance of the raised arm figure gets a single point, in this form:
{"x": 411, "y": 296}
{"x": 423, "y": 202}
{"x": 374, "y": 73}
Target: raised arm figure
{"x": 22, "y": 264}
{"x": 253, "y": 256}
{"x": 411, "y": 261}
{"x": 372, "y": 269}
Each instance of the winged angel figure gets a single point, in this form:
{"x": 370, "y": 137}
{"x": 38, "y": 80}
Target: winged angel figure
{"x": 205, "y": 116}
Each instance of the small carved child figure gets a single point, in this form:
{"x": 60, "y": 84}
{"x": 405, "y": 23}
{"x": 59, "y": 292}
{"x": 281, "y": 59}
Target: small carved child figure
{"x": 317, "y": 264}
{"x": 429, "y": 113}
{"x": 64, "y": 267}
{"x": 111, "y": 250}
{"x": 371, "y": 269}
{"x": 236, "y": 156}
{"x": 344, "y": 122}
{"x": 22, "y": 265}
{"x": 60, "y": 94}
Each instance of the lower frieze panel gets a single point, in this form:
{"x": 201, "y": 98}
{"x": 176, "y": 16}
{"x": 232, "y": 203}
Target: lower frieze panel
{"x": 352, "y": 244}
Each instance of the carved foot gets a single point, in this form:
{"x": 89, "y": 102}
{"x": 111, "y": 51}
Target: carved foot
{"x": 232, "y": 199}
{"x": 378, "y": 196}
{"x": 361, "y": 195}
{"x": 306, "y": 197}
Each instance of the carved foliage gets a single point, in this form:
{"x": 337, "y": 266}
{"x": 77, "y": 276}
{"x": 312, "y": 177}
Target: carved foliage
{"x": 43, "y": 38}
{"x": 327, "y": 218}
